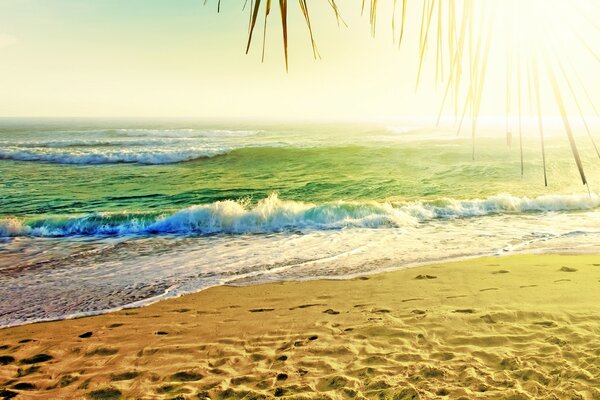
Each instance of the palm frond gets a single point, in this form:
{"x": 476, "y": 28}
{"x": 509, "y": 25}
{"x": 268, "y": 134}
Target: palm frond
{"x": 462, "y": 46}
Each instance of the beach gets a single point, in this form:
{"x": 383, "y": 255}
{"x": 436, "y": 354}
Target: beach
{"x": 514, "y": 327}
{"x": 96, "y": 215}
{"x": 211, "y": 201}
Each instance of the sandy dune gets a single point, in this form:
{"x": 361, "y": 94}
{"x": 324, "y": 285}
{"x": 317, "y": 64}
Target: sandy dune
{"x": 521, "y": 327}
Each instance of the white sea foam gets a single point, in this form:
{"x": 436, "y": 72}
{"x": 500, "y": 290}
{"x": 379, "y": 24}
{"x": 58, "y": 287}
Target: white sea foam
{"x": 103, "y": 156}
{"x": 275, "y": 215}
{"x": 145, "y": 146}
{"x": 107, "y": 142}
{"x": 190, "y": 133}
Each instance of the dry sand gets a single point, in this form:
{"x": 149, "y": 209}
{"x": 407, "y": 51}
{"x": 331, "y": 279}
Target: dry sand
{"x": 515, "y": 327}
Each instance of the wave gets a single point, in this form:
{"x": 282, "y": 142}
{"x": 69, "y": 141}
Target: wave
{"x": 271, "y": 215}
{"x": 145, "y": 146}
{"x": 117, "y": 142}
{"x": 185, "y": 132}
{"x": 124, "y": 133}
{"x": 95, "y": 156}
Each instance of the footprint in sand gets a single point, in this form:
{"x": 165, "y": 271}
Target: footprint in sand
{"x": 66, "y": 380}
{"x": 306, "y": 306}
{"x": 186, "y": 376}
{"x": 281, "y": 376}
{"x": 381, "y": 311}
{"x": 333, "y": 383}
{"x": 165, "y": 389}
{"x": 125, "y": 376}
{"x": 25, "y": 340}
{"x": 241, "y": 380}
{"x": 85, "y": 384}
{"x": 568, "y": 269}
{"x": 500, "y": 271}
{"x": 161, "y": 333}
{"x": 38, "y": 358}
{"x": 464, "y": 311}
{"x": 217, "y": 371}
{"x": 419, "y": 312}
{"x": 456, "y": 297}
{"x": 24, "y": 372}
{"x": 562, "y": 280}
{"x": 413, "y": 299}
{"x": 488, "y": 319}
{"x": 257, "y": 357}
{"x": 24, "y": 386}
{"x": 487, "y": 289}
{"x": 527, "y": 286}
{"x": 331, "y": 311}
{"x": 546, "y": 324}
{"x": 425, "y": 277}
{"x": 105, "y": 394}
{"x": 102, "y": 351}
{"x": 255, "y": 310}
{"x": 5, "y": 360}
{"x": 86, "y": 335}
{"x": 115, "y": 325}
{"x": 7, "y": 394}
{"x": 556, "y": 341}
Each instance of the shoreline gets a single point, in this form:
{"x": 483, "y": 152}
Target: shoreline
{"x": 165, "y": 297}
{"x": 489, "y": 327}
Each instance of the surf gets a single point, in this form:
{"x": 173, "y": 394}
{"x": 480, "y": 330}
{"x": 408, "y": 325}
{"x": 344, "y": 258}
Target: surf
{"x": 272, "y": 215}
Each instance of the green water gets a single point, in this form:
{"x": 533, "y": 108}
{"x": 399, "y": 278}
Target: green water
{"x": 408, "y": 170}
{"x": 98, "y": 215}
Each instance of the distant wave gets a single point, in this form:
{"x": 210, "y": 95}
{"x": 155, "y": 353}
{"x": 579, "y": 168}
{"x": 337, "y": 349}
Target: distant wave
{"x": 177, "y": 133}
{"x": 145, "y": 146}
{"x": 275, "y": 215}
{"x": 131, "y": 155}
{"x": 117, "y": 142}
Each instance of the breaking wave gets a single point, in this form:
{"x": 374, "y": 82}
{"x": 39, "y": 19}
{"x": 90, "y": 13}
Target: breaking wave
{"x": 93, "y": 157}
{"x": 144, "y": 146}
{"x": 272, "y": 215}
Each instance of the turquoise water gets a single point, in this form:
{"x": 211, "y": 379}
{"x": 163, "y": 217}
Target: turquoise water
{"x": 133, "y": 211}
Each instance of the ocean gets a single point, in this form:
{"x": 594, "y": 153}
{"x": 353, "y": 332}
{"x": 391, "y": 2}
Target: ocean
{"x": 100, "y": 215}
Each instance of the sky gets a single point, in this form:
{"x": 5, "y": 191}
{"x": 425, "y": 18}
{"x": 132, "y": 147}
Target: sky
{"x": 166, "y": 58}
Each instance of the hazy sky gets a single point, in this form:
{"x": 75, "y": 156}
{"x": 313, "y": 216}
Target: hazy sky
{"x": 160, "y": 58}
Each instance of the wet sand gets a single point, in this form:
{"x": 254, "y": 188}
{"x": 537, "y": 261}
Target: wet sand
{"x": 518, "y": 327}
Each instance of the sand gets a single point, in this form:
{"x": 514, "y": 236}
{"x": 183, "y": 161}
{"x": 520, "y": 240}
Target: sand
{"x": 518, "y": 327}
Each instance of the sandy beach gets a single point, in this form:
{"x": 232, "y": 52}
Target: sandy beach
{"x": 518, "y": 327}
{"x": 305, "y": 200}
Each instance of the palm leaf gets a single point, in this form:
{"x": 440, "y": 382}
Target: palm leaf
{"x": 467, "y": 46}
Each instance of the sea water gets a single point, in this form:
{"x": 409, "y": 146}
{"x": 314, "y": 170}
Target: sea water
{"x": 100, "y": 215}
